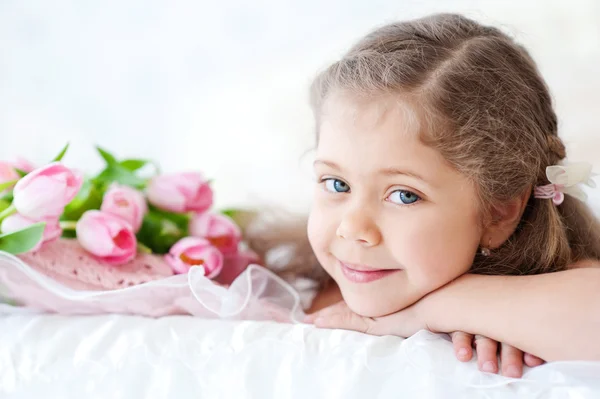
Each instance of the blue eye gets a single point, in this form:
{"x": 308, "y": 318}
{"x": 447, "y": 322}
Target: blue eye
{"x": 336, "y": 186}
{"x": 403, "y": 197}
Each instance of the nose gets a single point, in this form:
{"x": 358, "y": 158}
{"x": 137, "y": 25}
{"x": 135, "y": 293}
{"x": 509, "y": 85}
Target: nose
{"x": 358, "y": 225}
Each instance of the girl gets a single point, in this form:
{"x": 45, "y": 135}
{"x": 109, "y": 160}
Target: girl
{"x": 438, "y": 157}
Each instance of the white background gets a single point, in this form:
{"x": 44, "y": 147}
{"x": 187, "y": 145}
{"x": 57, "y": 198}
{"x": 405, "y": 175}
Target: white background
{"x": 222, "y": 86}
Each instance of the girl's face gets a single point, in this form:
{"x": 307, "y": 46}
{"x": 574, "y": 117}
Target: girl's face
{"x": 391, "y": 220}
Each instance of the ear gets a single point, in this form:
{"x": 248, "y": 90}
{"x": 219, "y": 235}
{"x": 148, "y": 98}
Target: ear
{"x": 504, "y": 219}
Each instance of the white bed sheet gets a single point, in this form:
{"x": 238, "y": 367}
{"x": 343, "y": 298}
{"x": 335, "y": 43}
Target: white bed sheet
{"x": 118, "y": 356}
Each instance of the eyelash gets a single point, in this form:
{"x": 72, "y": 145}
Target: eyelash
{"x": 325, "y": 180}
{"x": 417, "y": 200}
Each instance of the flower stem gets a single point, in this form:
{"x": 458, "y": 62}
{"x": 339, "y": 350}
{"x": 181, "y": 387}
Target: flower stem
{"x": 68, "y": 224}
{"x": 143, "y": 249}
{"x": 11, "y": 210}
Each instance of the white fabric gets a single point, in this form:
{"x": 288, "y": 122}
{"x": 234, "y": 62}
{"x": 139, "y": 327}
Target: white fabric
{"x": 45, "y": 356}
{"x": 256, "y": 294}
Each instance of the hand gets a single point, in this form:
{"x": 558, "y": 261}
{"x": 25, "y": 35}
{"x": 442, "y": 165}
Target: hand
{"x": 512, "y": 359}
{"x": 402, "y": 324}
{"x": 406, "y": 323}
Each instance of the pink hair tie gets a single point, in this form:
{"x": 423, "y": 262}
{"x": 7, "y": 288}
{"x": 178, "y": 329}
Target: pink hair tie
{"x": 550, "y": 191}
{"x": 566, "y": 179}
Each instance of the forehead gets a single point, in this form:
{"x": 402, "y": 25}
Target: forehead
{"x": 354, "y": 113}
{"x": 379, "y": 131}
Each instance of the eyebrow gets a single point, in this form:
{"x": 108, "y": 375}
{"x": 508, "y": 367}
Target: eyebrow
{"x": 384, "y": 171}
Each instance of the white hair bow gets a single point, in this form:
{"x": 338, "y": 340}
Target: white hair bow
{"x": 566, "y": 179}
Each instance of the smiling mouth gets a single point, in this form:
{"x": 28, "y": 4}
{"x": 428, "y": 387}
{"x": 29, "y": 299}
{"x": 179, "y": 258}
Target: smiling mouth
{"x": 364, "y": 274}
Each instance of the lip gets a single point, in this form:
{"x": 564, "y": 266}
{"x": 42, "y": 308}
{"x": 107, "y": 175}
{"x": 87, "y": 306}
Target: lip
{"x": 364, "y": 274}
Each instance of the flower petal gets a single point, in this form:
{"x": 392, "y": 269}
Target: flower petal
{"x": 570, "y": 174}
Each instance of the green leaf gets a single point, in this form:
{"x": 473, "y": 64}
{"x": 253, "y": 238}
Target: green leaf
{"x": 61, "y": 154}
{"x": 121, "y": 175}
{"x": 230, "y": 212}
{"x": 120, "y": 172}
{"x": 107, "y": 156}
{"x": 21, "y": 172}
{"x": 88, "y": 197}
{"x": 4, "y": 204}
{"x": 23, "y": 240}
{"x": 143, "y": 249}
{"x": 134, "y": 164}
{"x": 69, "y": 234}
{"x": 159, "y": 233}
{"x": 181, "y": 220}
{"x": 7, "y": 197}
{"x": 69, "y": 228}
{"x": 7, "y": 184}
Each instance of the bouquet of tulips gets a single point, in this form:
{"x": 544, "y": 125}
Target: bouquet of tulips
{"x": 116, "y": 213}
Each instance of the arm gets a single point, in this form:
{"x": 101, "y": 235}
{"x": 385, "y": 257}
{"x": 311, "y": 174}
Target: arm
{"x": 554, "y": 316}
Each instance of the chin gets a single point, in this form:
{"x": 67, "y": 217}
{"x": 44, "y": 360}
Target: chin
{"x": 371, "y": 307}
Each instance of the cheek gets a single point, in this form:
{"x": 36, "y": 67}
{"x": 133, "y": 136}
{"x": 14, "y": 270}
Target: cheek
{"x": 438, "y": 247}
{"x": 321, "y": 230}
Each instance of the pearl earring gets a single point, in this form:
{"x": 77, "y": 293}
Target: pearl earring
{"x": 485, "y": 251}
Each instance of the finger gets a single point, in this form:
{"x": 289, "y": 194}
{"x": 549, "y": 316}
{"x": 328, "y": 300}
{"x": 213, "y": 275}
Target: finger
{"x": 345, "y": 320}
{"x": 487, "y": 354}
{"x": 463, "y": 345}
{"x": 512, "y": 361}
{"x": 336, "y": 308}
{"x": 532, "y": 361}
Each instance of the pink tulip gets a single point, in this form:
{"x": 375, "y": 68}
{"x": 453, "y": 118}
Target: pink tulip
{"x": 107, "y": 236}
{"x": 127, "y": 203}
{"x": 44, "y": 192}
{"x": 195, "y": 251}
{"x": 220, "y": 230}
{"x": 181, "y": 192}
{"x": 7, "y": 173}
{"x": 24, "y": 165}
{"x": 18, "y": 222}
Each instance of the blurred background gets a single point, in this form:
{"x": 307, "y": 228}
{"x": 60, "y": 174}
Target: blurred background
{"x": 222, "y": 87}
